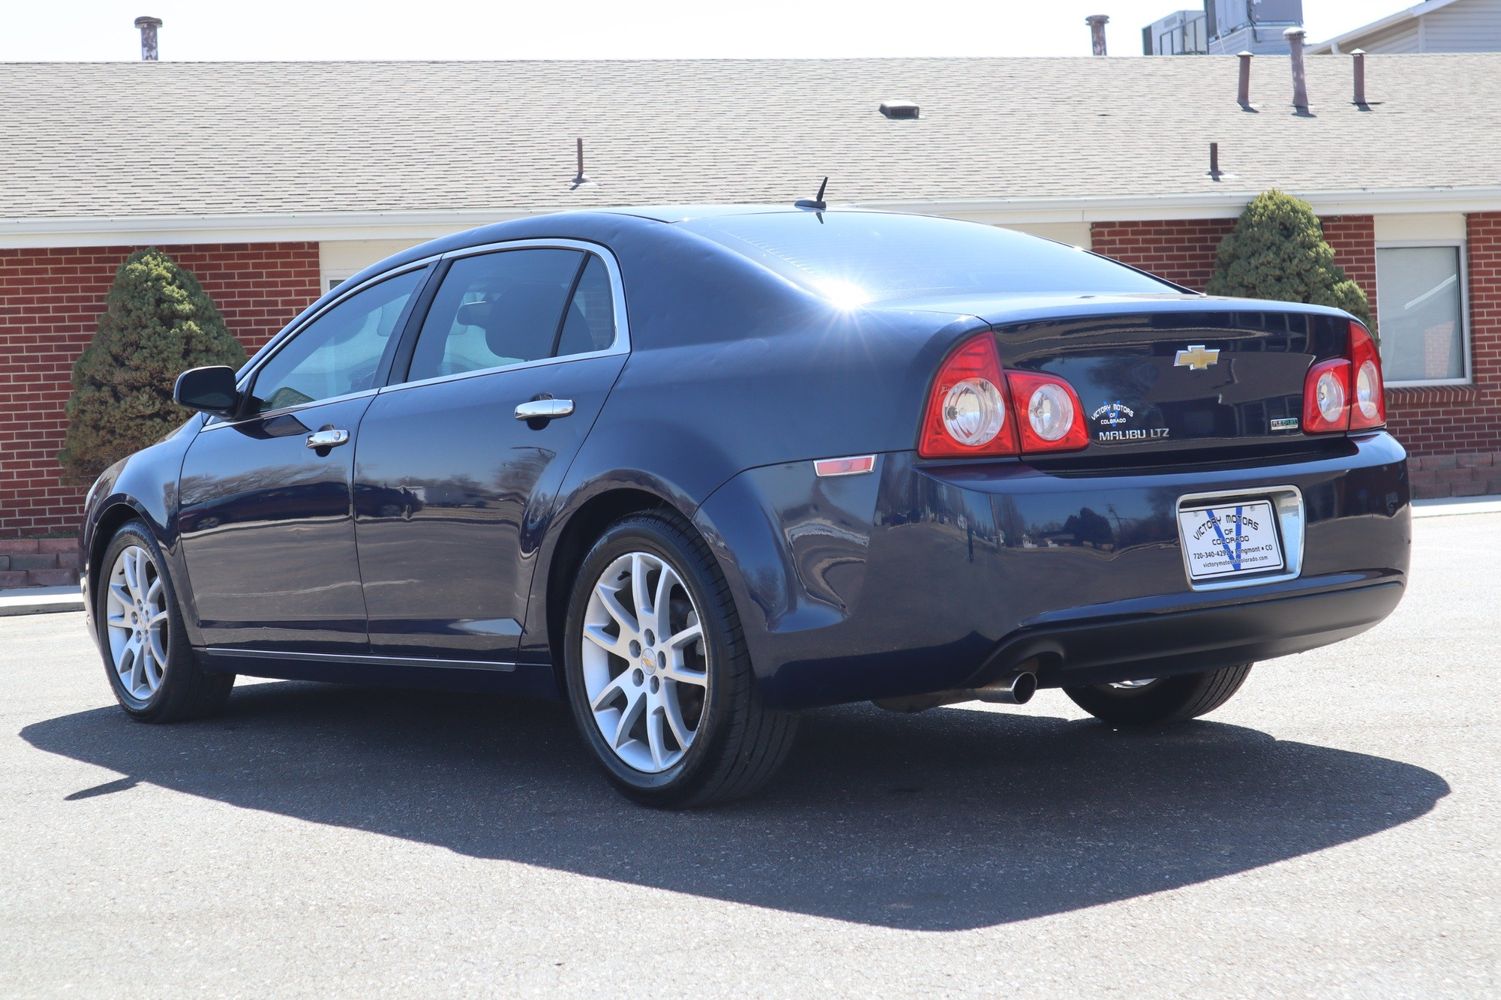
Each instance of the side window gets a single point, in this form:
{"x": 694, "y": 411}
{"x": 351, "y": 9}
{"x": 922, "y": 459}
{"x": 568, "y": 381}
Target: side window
{"x": 495, "y": 309}
{"x": 590, "y": 323}
{"x": 340, "y": 351}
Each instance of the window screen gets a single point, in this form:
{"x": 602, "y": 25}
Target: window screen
{"x": 495, "y": 309}
{"x": 1420, "y": 311}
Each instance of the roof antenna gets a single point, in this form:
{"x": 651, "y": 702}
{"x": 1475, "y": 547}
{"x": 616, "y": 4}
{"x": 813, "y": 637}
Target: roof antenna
{"x": 817, "y": 203}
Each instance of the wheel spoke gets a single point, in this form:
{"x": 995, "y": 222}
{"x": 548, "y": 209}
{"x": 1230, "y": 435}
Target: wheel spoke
{"x": 136, "y": 667}
{"x": 135, "y": 580}
{"x": 680, "y": 673}
{"x": 120, "y": 595}
{"x": 611, "y": 601}
{"x": 608, "y": 693}
{"x": 156, "y": 619}
{"x": 683, "y": 638}
{"x": 612, "y": 644}
{"x": 628, "y": 719}
{"x": 654, "y": 736}
{"x": 673, "y": 711}
{"x": 118, "y": 621}
{"x": 154, "y": 593}
{"x": 660, "y": 601}
{"x": 644, "y": 614}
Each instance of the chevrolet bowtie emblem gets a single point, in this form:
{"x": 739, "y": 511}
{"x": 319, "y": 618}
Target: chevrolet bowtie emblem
{"x": 1196, "y": 358}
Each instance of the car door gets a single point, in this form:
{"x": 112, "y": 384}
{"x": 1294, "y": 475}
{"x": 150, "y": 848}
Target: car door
{"x": 265, "y": 507}
{"x": 451, "y": 475}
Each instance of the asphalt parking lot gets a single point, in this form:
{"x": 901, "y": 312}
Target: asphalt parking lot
{"x": 1331, "y": 832}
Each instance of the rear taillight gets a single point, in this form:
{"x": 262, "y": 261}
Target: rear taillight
{"x": 974, "y": 409}
{"x": 1326, "y": 397}
{"x": 1368, "y": 398}
{"x": 967, "y": 412}
{"x": 1346, "y": 394}
{"x": 1049, "y": 416}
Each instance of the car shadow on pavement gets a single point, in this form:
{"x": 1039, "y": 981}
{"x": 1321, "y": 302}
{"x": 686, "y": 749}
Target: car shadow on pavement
{"x": 949, "y": 820}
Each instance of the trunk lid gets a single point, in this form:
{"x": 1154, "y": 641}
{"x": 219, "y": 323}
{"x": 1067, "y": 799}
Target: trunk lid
{"x": 1172, "y": 372}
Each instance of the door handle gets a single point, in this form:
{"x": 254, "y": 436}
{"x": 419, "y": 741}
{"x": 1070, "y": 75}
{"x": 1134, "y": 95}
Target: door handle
{"x": 327, "y": 438}
{"x": 544, "y": 409}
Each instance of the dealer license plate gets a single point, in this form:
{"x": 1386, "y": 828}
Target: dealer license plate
{"x": 1231, "y": 539}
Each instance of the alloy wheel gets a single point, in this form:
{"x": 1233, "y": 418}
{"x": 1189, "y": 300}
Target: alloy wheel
{"x": 137, "y": 622}
{"x": 645, "y": 663}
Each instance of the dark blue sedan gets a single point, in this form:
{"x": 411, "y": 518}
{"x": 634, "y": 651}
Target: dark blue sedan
{"x": 693, "y": 470}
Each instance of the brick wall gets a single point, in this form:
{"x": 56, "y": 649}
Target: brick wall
{"x": 50, "y": 302}
{"x": 1181, "y": 251}
{"x": 1453, "y": 433}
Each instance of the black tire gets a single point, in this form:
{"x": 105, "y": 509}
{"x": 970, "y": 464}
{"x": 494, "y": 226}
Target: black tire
{"x": 739, "y": 742}
{"x": 1166, "y": 700}
{"x": 186, "y": 690}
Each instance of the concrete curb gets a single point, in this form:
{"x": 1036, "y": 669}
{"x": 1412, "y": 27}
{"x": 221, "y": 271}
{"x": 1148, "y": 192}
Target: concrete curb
{"x": 39, "y": 601}
{"x": 1455, "y": 506}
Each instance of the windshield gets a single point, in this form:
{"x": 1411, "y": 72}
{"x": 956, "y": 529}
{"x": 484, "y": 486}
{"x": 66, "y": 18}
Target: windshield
{"x": 853, "y": 258}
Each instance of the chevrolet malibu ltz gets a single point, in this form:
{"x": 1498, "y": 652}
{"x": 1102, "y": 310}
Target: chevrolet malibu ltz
{"x": 693, "y": 470}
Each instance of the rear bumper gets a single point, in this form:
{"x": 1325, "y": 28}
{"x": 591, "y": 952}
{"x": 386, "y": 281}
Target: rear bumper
{"x": 924, "y": 578}
{"x": 1098, "y": 652}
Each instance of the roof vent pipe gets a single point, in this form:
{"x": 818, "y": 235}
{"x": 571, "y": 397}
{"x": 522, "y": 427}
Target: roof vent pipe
{"x": 1245, "y": 80}
{"x": 1097, "y": 24}
{"x": 1359, "y": 58}
{"x": 1295, "y": 38}
{"x": 148, "y": 26}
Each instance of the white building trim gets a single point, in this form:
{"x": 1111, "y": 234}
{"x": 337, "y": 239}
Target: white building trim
{"x": 414, "y": 227}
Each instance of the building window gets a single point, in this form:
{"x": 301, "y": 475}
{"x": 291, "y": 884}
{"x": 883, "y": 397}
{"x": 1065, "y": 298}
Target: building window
{"x": 1420, "y": 303}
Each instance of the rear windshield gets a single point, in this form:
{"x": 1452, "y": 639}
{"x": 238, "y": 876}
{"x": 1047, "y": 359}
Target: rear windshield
{"x": 869, "y": 257}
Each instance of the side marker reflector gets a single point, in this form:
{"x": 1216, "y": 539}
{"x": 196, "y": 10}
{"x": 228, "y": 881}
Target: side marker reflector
{"x": 853, "y": 466}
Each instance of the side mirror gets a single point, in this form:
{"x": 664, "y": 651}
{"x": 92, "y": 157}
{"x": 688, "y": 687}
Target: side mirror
{"x": 208, "y": 390}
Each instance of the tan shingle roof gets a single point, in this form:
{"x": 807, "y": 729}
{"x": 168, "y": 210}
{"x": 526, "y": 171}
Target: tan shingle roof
{"x": 125, "y": 139}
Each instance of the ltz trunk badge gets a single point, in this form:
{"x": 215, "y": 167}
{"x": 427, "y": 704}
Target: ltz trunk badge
{"x": 1196, "y": 358}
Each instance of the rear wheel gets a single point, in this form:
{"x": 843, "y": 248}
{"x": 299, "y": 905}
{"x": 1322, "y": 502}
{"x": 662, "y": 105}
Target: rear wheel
{"x": 1161, "y": 700}
{"x": 658, "y": 673}
{"x": 151, "y": 668}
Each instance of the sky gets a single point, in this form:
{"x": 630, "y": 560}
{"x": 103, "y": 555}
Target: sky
{"x": 601, "y": 29}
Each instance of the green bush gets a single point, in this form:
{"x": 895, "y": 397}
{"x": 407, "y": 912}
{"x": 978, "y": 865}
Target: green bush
{"x": 1277, "y": 251}
{"x": 157, "y": 322}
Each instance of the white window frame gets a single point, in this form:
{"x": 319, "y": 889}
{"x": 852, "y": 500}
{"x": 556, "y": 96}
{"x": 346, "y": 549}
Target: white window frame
{"x": 1464, "y": 306}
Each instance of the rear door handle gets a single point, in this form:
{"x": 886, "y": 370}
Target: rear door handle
{"x": 544, "y": 409}
{"x": 327, "y": 438}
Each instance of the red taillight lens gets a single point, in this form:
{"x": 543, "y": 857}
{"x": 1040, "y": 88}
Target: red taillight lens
{"x": 1049, "y": 416}
{"x": 967, "y": 415}
{"x": 1326, "y": 397}
{"x": 1346, "y": 394}
{"x": 1368, "y": 395}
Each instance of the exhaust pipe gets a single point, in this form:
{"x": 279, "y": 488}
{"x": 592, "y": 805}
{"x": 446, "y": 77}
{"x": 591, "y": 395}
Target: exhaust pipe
{"x": 1016, "y": 688}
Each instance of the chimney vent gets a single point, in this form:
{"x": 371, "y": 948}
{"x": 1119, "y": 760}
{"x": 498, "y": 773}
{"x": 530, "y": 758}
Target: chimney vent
{"x": 1245, "y": 80}
{"x": 1358, "y": 56}
{"x": 900, "y": 109}
{"x": 1097, "y": 24}
{"x": 1294, "y": 38}
{"x": 148, "y": 26}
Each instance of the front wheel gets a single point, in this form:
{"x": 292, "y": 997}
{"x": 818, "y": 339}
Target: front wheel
{"x": 658, "y": 673}
{"x": 150, "y": 666}
{"x": 1161, "y": 700}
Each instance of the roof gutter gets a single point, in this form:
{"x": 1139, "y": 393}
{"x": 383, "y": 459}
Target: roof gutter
{"x": 1336, "y": 45}
{"x": 1215, "y": 205}
{"x": 418, "y": 226}
{"x": 137, "y": 230}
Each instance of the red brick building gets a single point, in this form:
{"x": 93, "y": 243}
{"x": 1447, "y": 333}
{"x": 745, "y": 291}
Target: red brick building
{"x": 272, "y": 181}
